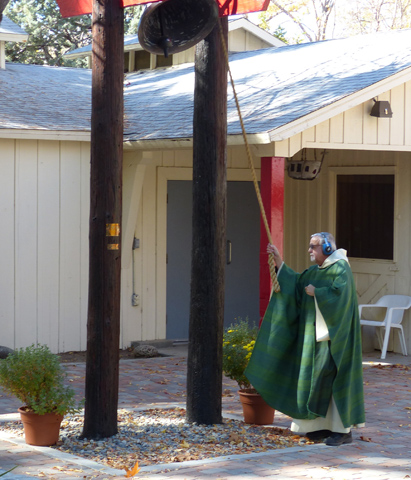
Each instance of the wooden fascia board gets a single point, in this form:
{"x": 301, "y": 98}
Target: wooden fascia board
{"x": 359, "y": 146}
{"x": 342, "y": 105}
{"x": 77, "y": 55}
{"x": 20, "y": 134}
{"x": 255, "y": 30}
{"x": 60, "y": 135}
{"x": 13, "y": 37}
{"x": 88, "y": 53}
{"x": 170, "y": 143}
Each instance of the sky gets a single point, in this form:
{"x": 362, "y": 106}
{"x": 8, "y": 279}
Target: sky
{"x": 337, "y": 25}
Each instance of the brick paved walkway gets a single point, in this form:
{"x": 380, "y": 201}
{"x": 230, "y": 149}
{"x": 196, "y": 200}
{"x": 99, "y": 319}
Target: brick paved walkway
{"x": 383, "y": 453}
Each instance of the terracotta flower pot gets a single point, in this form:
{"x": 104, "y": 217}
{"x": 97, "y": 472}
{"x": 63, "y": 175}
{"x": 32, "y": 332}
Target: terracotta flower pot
{"x": 40, "y": 430}
{"x": 255, "y": 410}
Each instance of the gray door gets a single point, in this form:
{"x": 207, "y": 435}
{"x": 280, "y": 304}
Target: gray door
{"x": 242, "y": 273}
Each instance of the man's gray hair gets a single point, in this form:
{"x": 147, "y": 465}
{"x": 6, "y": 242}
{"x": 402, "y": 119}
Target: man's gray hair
{"x": 326, "y": 236}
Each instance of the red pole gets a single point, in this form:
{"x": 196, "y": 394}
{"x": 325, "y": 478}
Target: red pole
{"x": 272, "y": 193}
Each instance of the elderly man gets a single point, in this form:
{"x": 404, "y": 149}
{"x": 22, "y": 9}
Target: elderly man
{"x": 307, "y": 361}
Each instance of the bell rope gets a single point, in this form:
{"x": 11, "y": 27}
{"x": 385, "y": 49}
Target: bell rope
{"x": 271, "y": 261}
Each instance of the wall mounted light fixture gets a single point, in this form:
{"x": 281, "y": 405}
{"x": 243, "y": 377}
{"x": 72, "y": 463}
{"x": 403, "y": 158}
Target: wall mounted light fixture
{"x": 381, "y": 109}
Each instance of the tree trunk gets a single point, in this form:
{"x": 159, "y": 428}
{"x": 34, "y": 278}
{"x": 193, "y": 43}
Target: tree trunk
{"x": 204, "y": 374}
{"x": 103, "y": 325}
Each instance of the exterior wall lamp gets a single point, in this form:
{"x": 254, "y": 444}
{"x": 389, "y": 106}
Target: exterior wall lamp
{"x": 381, "y": 109}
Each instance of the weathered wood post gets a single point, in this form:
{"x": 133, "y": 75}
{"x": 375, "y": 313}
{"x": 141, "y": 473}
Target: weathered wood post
{"x": 103, "y": 323}
{"x": 204, "y": 374}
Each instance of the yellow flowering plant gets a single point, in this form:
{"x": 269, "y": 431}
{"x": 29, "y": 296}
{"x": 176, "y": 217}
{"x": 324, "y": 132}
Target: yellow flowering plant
{"x": 238, "y": 344}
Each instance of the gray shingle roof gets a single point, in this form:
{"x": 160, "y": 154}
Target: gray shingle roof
{"x": 8, "y": 27}
{"x": 275, "y": 87}
{"x": 45, "y": 98}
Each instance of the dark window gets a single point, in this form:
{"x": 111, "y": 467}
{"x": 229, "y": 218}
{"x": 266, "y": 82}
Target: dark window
{"x": 126, "y": 61}
{"x": 365, "y": 215}
{"x": 141, "y": 60}
{"x": 162, "y": 61}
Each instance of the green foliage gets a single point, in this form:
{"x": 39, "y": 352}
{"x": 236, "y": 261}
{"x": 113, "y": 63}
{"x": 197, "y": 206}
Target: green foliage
{"x": 306, "y": 20}
{"x": 51, "y": 35}
{"x": 34, "y": 375}
{"x": 280, "y": 33}
{"x": 238, "y": 343}
{"x": 131, "y": 19}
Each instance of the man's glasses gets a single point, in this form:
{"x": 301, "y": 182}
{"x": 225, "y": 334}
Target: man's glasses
{"x": 311, "y": 246}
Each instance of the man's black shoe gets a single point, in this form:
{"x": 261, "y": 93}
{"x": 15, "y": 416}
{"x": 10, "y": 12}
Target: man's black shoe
{"x": 318, "y": 435}
{"x": 337, "y": 439}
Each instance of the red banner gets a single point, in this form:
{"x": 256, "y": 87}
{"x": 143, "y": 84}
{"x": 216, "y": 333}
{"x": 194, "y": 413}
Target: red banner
{"x": 72, "y": 8}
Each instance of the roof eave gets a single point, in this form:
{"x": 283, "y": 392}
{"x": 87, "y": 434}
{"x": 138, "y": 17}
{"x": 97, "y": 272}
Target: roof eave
{"x": 167, "y": 143}
{"x": 350, "y": 101}
{"x": 37, "y": 134}
{"x": 13, "y": 37}
{"x": 255, "y": 30}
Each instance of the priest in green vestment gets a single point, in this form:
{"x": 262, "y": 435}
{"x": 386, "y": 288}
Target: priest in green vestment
{"x": 307, "y": 360}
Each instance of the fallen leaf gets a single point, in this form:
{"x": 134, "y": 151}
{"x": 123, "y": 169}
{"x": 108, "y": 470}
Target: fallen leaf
{"x": 133, "y": 471}
{"x": 233, "y": 437}
{"x": 365, "y": 439}
{"x": 184, "y": 444}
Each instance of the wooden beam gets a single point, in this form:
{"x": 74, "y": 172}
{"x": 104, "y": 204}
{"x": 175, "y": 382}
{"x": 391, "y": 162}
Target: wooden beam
{"x": 103, "y": 323}
{"x": 205, "y": 355}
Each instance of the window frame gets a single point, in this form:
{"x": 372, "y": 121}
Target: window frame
{"x": 386, "y": 170}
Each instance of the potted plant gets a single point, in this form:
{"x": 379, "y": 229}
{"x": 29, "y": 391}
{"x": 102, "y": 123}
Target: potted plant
{"x": 34, "y": 375}
{"x": 238, "y": 344}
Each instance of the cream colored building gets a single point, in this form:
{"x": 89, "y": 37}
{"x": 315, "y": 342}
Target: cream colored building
{"x": 297, "y": 101}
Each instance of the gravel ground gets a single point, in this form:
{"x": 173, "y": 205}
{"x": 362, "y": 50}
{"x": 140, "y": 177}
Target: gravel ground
{"x": 160, "y": 436}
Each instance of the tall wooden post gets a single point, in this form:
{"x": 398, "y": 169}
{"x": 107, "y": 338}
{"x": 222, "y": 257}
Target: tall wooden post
{"x": 103, "y": 326}
{"x": 204, "y": 372}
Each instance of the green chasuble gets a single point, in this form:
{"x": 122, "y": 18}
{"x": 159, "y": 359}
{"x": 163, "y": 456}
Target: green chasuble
{"x": 295, "y": 373}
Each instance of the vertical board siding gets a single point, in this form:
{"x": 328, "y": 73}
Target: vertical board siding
{"x": 161, "y": 266}
{"x": 353, "y": 125}
{"x": 7, "y": 259}
{"x": 322, "y": 132}
{"x": 26, "y": 241}
{"x": 355, "y": 128}
{"x": 383, "y": 124}
{"x": 44, "y": 194}
{"x": 407, "y": 113}
{"x": 337, "y": 129}
{"x": 148, "y": 251}
{"x": 237, "y": 41}
{"x": 48, "y": 251}
{"x": 84, "y": 244}
{"x": 397, "y": 100}
{"x": 70, "y": 241}
{"x": 370, "y": 126}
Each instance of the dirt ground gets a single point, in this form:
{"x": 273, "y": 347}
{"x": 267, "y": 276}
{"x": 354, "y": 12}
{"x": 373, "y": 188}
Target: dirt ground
{"x": 78, "y": 357}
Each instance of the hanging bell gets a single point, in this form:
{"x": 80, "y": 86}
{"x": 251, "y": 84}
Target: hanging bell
{"x": 172, "y": 26}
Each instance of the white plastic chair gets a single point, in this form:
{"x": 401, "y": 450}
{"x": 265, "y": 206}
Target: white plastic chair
{"x": 396, "y": 306}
